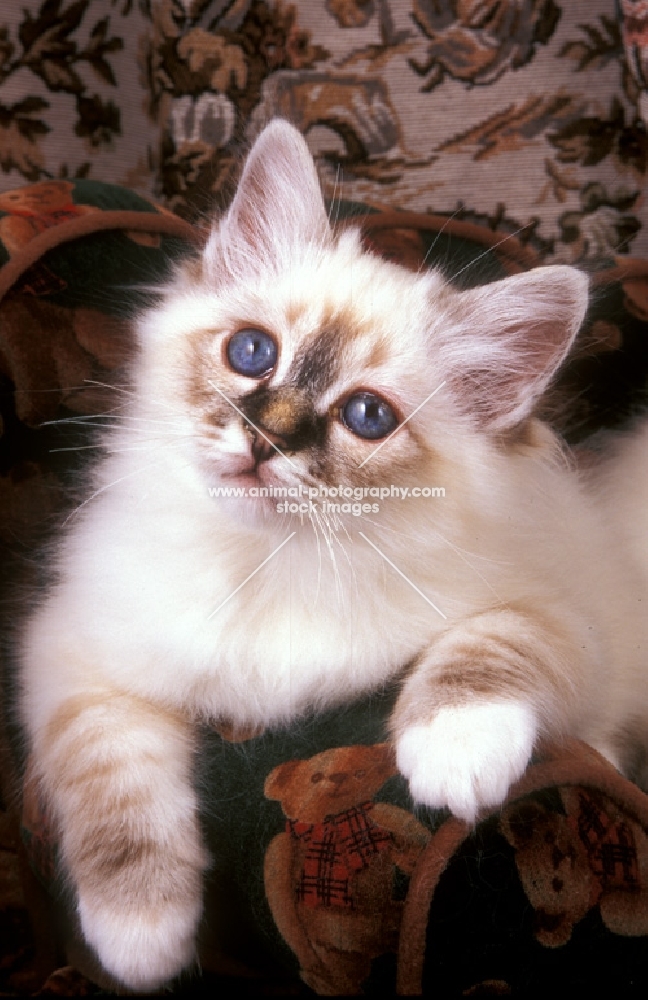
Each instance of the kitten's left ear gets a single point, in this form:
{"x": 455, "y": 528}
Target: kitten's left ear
{"x": 506, "y": 341}
{"x": 278, "y": 207}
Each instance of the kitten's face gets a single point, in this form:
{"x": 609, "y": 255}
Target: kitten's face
{"x": 307, "y": 380}
{"x": 297, "y": 360}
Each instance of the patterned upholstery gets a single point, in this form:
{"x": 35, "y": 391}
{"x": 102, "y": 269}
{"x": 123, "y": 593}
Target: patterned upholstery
{"x": 524, "y": 116}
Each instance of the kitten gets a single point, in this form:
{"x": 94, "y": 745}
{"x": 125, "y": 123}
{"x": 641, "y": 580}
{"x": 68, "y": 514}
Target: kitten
{"x": 288, "y": 357}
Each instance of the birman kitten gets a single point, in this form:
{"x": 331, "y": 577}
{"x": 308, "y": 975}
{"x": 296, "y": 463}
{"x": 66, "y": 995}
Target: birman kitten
{"x": 294, "y": 368}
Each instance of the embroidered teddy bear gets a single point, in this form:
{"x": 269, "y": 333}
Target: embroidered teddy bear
{"x": 336, "y": 879}
{"x": 590, "y": 854}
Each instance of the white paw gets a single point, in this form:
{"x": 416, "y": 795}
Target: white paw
{"x": 468, "y": 757}
{"x": 143, "y": 950}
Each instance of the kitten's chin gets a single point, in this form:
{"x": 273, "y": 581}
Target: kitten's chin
{"x": 249, "y": 512}
{"x": 246, "y": 497}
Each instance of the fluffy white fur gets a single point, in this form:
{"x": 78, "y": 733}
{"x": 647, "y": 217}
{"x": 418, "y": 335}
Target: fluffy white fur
{"x": 468, "y": 754}
{"x": 539, "y": 573}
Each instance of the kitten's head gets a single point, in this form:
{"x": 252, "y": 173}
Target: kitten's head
{"x": 300, "y": 360}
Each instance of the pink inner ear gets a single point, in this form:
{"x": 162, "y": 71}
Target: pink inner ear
{"x": 278, "y": 207}
{"x": 504, "y": 342}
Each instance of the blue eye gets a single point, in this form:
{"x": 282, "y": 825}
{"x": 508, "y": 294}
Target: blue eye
{"x": 252, "y": 353}
{"x": 368, "y": 416}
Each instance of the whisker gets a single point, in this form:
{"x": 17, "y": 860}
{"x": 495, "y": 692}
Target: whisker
{"x": 82, "y": 418}
{"x": 105, "y": 446}
{"x": 335, "y": 203}
{"x": 328, "y": 537}
{"x": 107, "y": 385}
{"x": 58, "y": 389}
{"x": 109, "y": 486}
{"x": 81, "y": 447}
{"x": 319, "y": 553}
{"x": 332, "y": 204}
{"x": 438, "y": 237}
{"x": 334, "y": 525}
{"x": 95, "y": 426}
{"x": 90, "y": 420}
{"x": 150, "y": 420}
{"x": 127, "y": 392}
{"x": 143, "y": 433}
{"x": 485, "y": 253}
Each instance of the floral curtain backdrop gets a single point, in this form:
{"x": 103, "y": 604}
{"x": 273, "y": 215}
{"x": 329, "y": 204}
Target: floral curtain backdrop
{"x": 527, "y": 116}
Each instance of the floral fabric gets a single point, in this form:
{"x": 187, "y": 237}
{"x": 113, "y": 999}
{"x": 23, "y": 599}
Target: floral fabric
{"x": 526, "y": 116}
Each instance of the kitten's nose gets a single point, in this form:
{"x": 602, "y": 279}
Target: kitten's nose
{"x": 276, "y": 424}
{"x": 282, "y": 421}
{"x": 266, "y": 447}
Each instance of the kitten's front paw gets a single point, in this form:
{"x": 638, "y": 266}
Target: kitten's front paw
{"x": 468, "y": 756}
{"x": 140, "y": 948}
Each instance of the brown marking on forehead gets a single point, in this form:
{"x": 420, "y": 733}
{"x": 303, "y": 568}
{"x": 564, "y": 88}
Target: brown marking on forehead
{"x": 294, "y": 312}
{"x": 317, "y": 363}
{"x": 379, "y": 353}
{"x": 315, "y": 366}
{"x": 344, "y": 320}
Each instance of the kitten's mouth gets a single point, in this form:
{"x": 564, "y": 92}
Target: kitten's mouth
{"x": 248, "y": 475}
{"x": 251, "y": 475}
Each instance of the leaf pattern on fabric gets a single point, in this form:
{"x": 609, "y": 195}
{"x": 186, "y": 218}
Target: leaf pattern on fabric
{"x": 515, "y": 125}
{"x": 590, "y": 139}
{"x": 49, "y": 47}
{"x": 509, "y": 108}
{"x": 477, "y": 41}
{"x": 599, "y": 46}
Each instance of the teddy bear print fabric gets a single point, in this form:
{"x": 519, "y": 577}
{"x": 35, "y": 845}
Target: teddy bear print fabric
{"x": 550, "y": 895}
{"x": 324, "y": 871}
{"x": 563, "y": 867}
{"x": 336, "y": 878}
{"x": 589, "y": 855}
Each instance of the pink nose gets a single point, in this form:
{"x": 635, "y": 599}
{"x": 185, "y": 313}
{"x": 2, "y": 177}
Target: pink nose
{"x": 265, "y": 446}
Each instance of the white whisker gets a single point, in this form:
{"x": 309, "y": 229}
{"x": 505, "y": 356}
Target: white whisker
{"x": 314, "y": 525}
{"x": 109, "y": 486}
{"x": 127, "y": 392}
{"x": 485, "y": 253}
{"x": 82, "y": 447}
{"x": 329, "y": 537}
{"x": 82, "y": 418}
{"x": 437, "y": 238}
{"x": 96, "y": 426}
{"x": 335, "y": 202}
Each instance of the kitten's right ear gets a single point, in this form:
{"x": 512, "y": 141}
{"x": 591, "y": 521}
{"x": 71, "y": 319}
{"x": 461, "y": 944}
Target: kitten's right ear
{"x": 278, "y": 208}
